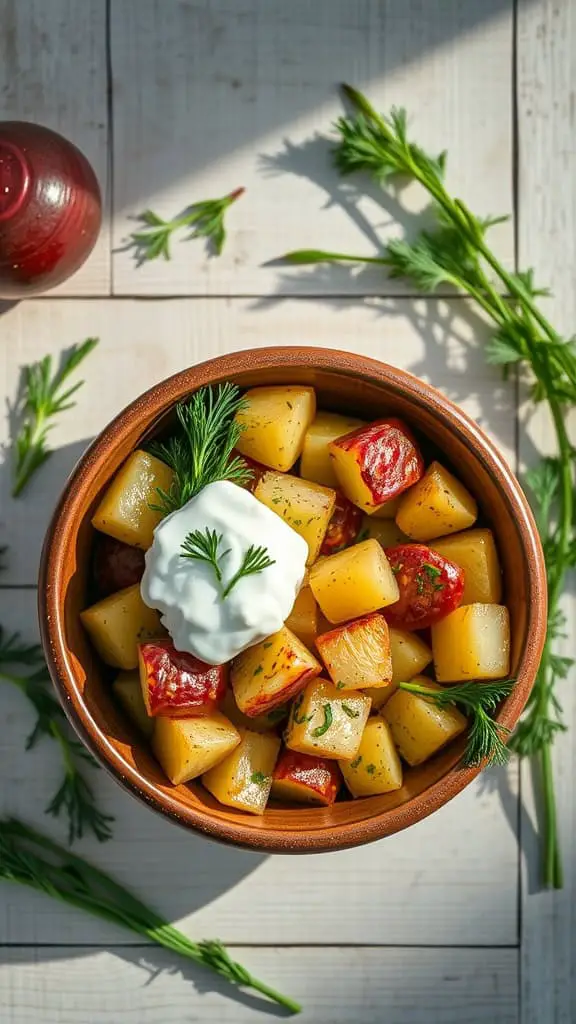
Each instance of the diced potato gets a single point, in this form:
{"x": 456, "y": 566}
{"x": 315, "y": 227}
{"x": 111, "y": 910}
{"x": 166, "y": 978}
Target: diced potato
{"x": 269, "y": 722}
{"x": 315, "y": 463}
{"x": 358, "y": 654}
{"x": 274, "y": 423}
{"x": 304, "y": 619}
{"x": 475, "y": 552}
{"x": 419, "y": 727}
{"x": 385, "y": 531}
{"x": 410, "y": 656}
{"x": 304, "y": 506}
{"x": 376, "y": 767}
{"x": 472, "y": 642}
{"x": 306, "y": 779}
{"x": 188, "y": 747}
{"x": 386, "y": 511}
{"x": 326, "y": 721}
{"x": 244, "y": 778}
{"x": 124, "y": 512}
{"x": 117, "y": 624}
{"x": 438, "y": 504}
{"x": 128, "y": 692}
{"x": 271, "y": 672}
{"x": 354, "y": 582}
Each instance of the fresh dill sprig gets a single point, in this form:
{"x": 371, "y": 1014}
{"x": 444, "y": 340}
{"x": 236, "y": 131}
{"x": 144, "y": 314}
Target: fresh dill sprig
{"x": 205, "y": 217}
{"x": 201, "y": 451}
{"x": 43, "y": 397}
{"x": 75, "y": 797}
{"x": 27, "y": 857}
{"x": 455, "y": 253}
{"x": 202, "y": 545}
{"x": 255, "y": 560}
{"x": 486, "y": 738}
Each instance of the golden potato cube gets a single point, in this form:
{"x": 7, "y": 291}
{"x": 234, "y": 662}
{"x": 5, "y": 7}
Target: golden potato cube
{"x": 419, "y": 727}
{"x": 304, "y": 619}
{"x": 128, "y": 692}
{"x": 124, "y": 512}
{"x": 376, "y": 768}
{"x": 475, "y": 552}
{"x": 188, "y": 747}
{"x": 271, "y": 672}
{"x": 358, "y": 654}
{"x": 268, "y": 722}
{"x": 117, "y": 624}
{"x": 304, "y": 506}
{"x": 386, "y": 511}
{"x": 438, "y": 504}
{"x": 410, "y": 656}
{"x": 354, "y": 582}
{"x": 385, "y": 531}
{"x": 315, "y": 462}
{"x": 327, "y": 721}
{"x": 473, "y": 642}
{"x": 274, "y": 424}
{"x": 244, "y": 778}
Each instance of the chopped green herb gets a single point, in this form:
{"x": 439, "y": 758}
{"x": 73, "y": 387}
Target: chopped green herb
{"x": 328, "y": 719}
{"x": 370, "y": 768}
{"x": 297, "y": 522}
{"x": 276, "y": 501}
{"x": 277, "y": 714}
{"x": 340, "y": 685}
{"x": 258, "y": 670}
{"x": 350, "y": 711}
{"x": 363, "y": 535}
{"x": 267, "y": 644}
{"x": 259, "y": 778}
{"x": 356, "y": 761}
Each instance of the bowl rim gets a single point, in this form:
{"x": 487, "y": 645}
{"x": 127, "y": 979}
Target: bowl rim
{"x": 139, "y": 415}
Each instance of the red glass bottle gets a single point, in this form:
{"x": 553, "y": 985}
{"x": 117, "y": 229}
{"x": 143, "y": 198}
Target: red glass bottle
{"x": 50, "y": 209}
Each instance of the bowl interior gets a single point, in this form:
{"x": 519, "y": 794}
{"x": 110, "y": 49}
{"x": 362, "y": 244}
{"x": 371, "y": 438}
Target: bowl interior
{"x": 85, "y": 683}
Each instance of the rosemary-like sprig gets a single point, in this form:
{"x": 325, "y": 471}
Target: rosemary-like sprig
{"x": 28, "y": 857}
{"x": 200, "y": 452}
{"x": 456, "y": 253}
{"x": 206, "y": 218}
{"x": 43, "y": 398}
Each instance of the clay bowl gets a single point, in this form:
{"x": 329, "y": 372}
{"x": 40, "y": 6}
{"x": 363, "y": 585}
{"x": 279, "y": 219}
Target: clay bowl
{"x": 346, "y": 383}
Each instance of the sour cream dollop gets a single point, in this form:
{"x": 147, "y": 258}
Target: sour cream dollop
{"x": 187, "y": 593}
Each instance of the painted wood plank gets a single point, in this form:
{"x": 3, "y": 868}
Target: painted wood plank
{"x": 53, "y": 70}
{"x": 208, "y": 98}
{"x": 145, "y": 341}
{"x": 547, "y": 241}
{"x": 335, "y": 986}
{"x": 450, "y": 880}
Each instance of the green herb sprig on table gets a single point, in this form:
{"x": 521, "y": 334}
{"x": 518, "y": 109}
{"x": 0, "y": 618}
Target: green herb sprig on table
{"x": 206, "y": 218}
{"x": 456, "y": 253}
{"x": 486, "y": 738}
{"x": 30, "y": 858}
{"x": 44, "y": 396}
{"x": 200, "y": 452}
{"x": 22, "y": 665}
{"x": 203, "y": 545}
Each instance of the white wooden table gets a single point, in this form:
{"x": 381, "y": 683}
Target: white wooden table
{"x": 178, "y": 100}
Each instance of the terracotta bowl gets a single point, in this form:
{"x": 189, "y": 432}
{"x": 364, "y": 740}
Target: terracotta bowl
{"x": 346, "y": 383}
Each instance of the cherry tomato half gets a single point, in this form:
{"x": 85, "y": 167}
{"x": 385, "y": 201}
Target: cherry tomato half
{"x": 430, "y": 586}
{"x": 343, "y": 527}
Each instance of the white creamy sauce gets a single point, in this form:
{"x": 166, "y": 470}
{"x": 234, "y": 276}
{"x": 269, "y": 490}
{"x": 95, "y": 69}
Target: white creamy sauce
{"x": 187, "y": 593}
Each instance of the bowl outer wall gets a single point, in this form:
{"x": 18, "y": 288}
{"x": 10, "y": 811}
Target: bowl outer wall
{"x": 63, "y": 577}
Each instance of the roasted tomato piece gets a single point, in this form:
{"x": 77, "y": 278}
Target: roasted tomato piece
{"x": 306, "y": 779}
{"x": 430, "y": 586}
{"x": 176, "y": 684}
{"x": 343, "y": 527}
{"x": 256, "y": 468}
{"x": 115, "y": 565}
{"x": 377, "y": 462}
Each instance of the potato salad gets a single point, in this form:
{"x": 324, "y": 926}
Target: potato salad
{"x": 287, "y": 596}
